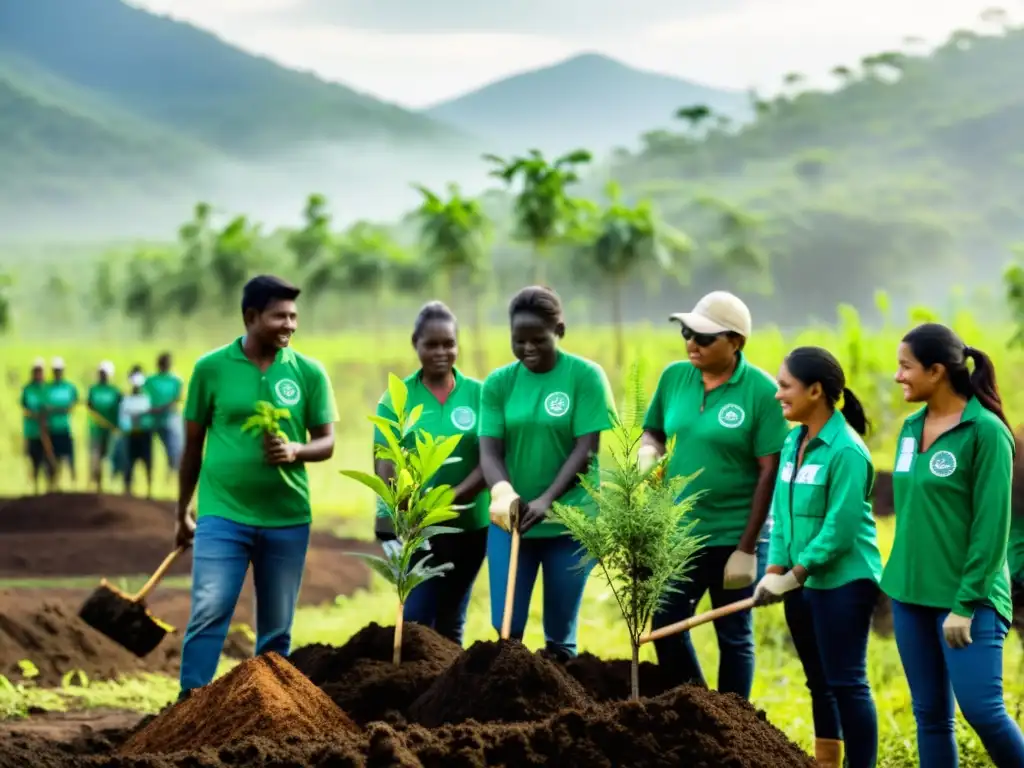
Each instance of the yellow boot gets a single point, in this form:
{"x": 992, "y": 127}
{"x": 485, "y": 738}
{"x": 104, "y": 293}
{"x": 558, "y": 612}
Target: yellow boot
{"x": 828, "y": 753}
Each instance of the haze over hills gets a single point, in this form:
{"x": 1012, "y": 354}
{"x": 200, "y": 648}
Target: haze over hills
{"x": 589, "y": 100}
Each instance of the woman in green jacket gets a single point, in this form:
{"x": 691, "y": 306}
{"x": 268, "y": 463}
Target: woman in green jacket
{"x": 824, "y": 540}
{"x": 947, "y": 574}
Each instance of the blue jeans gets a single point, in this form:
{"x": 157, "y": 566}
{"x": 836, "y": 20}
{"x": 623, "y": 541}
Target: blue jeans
{"x": 974, "y": 675}
{"x": 441, "y": 603}
{"x": 564, "y": 582}
{"x": 676, "y": 655}
{"x": 830, "y": 629}
{"x": 170, "y": 435}
{"x": 221, "y": 554}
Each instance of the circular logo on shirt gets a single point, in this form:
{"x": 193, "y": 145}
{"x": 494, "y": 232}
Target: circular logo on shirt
{"x": 943, "y": 464}
{"x": 464, "y": 418}
{"x": 557, "y": 404}
{"x": 287, "y": 392}
{"x": 731, "y": 416}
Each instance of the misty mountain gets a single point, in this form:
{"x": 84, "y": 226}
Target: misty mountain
{"x": 587, "y": 101}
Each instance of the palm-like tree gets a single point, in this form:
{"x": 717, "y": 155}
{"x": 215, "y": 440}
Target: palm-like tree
{"x": 233, "y": 254}
{"x": 695, "y": 115}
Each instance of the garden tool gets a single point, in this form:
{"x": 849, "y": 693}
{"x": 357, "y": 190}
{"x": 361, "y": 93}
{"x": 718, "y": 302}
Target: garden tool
{"x": 513, "y": 565}
{"x": 124, "y": 618}
{"x": 696, "y": 621}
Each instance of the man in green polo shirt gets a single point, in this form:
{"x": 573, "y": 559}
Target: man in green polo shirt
{"x": 104, "y": 403}
{"x": 33, "y": 401}
{"x": 165, "y": 389}
{"x": 60, "y": 396}
{"x": 253, "y": 504}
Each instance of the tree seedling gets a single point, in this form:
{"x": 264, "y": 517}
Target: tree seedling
{"x": 640, "y": 538}
{"x": 266, "y": 423}
{"x": 416, "y": 508}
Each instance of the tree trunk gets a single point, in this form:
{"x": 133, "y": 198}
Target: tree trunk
{"x": 479, "y": 335}
{"x": 540, "y": 272}
{"x": 397, "y": 657}
{"x": 634, "y": 671}
{"x": 617, "y": 321}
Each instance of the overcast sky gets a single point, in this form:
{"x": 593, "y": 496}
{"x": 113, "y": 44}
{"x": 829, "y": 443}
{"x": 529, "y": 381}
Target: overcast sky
{"x": 418, "y": 52}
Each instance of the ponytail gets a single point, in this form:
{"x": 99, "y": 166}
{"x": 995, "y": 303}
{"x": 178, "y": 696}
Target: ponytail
{"x": 983, "y": 383}
{"x": 853, "y": 412}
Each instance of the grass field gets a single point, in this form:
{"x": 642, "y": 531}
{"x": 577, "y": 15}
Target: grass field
{"x": 359, "y": 368}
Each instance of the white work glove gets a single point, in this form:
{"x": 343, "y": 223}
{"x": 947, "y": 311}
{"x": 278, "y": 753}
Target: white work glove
{"x": 773, "y": 586}
{"x": 740, "y": 570}
{"x": 647, "y": 457}
{"x": 957, "y": 630}
{"x": 503, "y": 496}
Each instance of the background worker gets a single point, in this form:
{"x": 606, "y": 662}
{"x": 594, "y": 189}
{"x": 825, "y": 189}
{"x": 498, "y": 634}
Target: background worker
{"x": 33, "y": 401}
{"x": 165, "y": 389}
{"x": 947, "y": 573}
{"x": 728, "y": 426}
{"x": 61, "y": 396}
{"x": 451, "y": 406}
{"x": 104, "y": 402}
{"x": 136, "y": 422}
{"x": 541, "y": 420}
{"x": 824, "y": 540}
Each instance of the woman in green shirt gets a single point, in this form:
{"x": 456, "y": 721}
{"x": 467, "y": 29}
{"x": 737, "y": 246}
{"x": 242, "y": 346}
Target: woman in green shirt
{"x": 540, "y": 428}
{"x": 947, "y": 574}
{"x": 451, "y": 406}
{"x": 824, "y": 540}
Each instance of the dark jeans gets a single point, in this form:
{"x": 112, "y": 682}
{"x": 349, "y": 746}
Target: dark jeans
{"x": 441, "y": 603}
{"x": 138, "y": 448}
{"x": 974, "y": 675}
{"x": 676, "y": 655}
{"x": 830, "y": 630}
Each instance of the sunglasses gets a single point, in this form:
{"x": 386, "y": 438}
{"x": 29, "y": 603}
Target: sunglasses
{"x": 701, "y": 339}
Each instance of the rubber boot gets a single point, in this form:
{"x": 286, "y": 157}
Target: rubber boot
{"x": 828, "y": 753}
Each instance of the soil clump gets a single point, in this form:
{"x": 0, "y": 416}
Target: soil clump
{"x": 498, "y": 681}
{"x": 265, "y": 696}
{"x": 610, "y": 680}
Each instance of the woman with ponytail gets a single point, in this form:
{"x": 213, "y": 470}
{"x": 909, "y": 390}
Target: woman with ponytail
{"x": 947, "y": 574}
{"x": 824, "y": 540}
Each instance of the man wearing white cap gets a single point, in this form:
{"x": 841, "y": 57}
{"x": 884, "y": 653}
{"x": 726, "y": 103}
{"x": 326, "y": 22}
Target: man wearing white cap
{"x": 104, "y": 401}
{"x": 33, "y": 398}
{"x": 728, "y": 426}
{"x": 61, "y": 397}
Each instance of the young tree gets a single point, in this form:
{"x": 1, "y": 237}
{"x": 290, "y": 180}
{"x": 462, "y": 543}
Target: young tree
{"x": 417, "y": 509}
{"x": 640, "y": 538}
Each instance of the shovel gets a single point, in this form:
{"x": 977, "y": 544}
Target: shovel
{"x": 124, "y": 618}
{"x": 696, "y": 621}
{"x": 513, "y": 566}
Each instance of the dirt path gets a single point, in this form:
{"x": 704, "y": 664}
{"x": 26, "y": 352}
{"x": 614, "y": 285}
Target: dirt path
{"x": 67, "y": 726}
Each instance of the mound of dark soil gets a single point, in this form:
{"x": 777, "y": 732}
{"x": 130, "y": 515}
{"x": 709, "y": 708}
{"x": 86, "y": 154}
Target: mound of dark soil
{"x": 378, "y": 690}
{"x": 500, "y": 681}
{"x": 265, "y": 696}
{"x": 56, "y": 641}
{"x": 610, "y": 680}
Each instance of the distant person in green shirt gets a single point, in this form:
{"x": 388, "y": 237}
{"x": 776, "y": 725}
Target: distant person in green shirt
{"x": 947, "y": 573}
{"x": 104, "y": 403}
{"x": 135, "y": 419}
{"x": 253, "y": 504}
{"x": 61, "y": 396}
{"x": 541, "y": 421}
{"x": 824, "y": 540}
{"x": 728, "y": 426}
{"x": 33, "y": 402}
{"x": 451, "y": 406}
{"x": 165, "y": 389}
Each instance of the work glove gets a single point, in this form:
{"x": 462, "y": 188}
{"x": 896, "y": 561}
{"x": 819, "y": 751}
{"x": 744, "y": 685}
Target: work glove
{"x": 647, "y": 457}
{"x": 740, "y": 570}
{"x": 774, "y": 586}
{"x": 957, "y": 630}
{"x": 503, "y": 497}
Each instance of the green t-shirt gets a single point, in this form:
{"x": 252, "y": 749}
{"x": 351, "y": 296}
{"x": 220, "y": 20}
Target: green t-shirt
{"x": 64, "y": 395}
{"x": 822, "y": 508}
{"x": 458, "y": 415}
{"x": 104, "y": 401}
{"x": 722, "y": 432}
{"x": 952, "y": 505}
{"x": 33, "y": 398}
{"x": 163, "y": 389}
{"x": 539, "y": 416}
{"x": 236, "y": 482}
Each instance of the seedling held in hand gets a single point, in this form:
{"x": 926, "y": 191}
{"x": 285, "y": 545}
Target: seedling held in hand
{"x": 266, "y": 423}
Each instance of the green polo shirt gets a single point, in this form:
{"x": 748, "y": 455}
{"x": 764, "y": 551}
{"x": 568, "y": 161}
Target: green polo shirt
{"x": 236, "y": 482}
{"x": 33, "y": 398}
{"x": 722, "y": 432}
{"x": 457, "y": 415}
{"x": 952, "y": 505}
{"x": 822, "y": 508}
{"x": 163, "y": 389}
{"x": 60, "y": 394}
{"x": 539, "y": 416}
{"x": 104, "y": 401}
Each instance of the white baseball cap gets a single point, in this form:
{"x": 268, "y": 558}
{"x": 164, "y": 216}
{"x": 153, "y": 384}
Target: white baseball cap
{"x": 107, "y": 367}
{"x": 57, "y": 363}
{"x": 717, "y": 312}
{"x": 38, "y": 363}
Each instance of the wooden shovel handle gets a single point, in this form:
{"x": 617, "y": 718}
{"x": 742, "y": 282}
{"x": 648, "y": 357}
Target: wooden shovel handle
{"x": 700, "y": 618}
{"x": 158, "y": 575}
{"x": 513, "y": 566}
